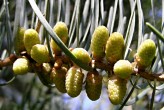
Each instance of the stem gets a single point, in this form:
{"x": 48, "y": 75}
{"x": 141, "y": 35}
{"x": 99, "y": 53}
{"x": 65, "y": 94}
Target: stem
{"x": 8, "y": 82}
{"x": 153, "y": 95}
{"x": 155, "y": 31}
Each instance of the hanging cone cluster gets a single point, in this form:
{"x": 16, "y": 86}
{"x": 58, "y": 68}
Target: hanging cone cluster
{"x": 67, "y": 76}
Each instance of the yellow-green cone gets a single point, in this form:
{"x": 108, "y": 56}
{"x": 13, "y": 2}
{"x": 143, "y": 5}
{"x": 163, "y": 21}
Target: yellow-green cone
{"x": 40, "y": 53}
{"x": 74, "y": 81}
{"x": 93, "y": 85}
{"x": 62, "y": 31}
{"x": 82, "y": 55}
{"x": 58, "y": 77}
{"x": 114, "y": 48}
{"x": 116, "y": 89}
{"x": 123, "y": 69}
{"x": 18, "y": 41}
{"x": 21, "y": 66}
{"x": 145, "y": 53}
{"x": 31, "y": 38}
{"x": 98, "y": 42}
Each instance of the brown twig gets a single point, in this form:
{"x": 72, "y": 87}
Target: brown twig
{"x": 99, "y": 65}
{"x": 58, "y": 63}
{"x": 8, "y": 61}
{"x": 103, "y": 66}
{"x": 38, "y": 26}
{"x": 143, "y": 74}
{"x": 151, "y": 77}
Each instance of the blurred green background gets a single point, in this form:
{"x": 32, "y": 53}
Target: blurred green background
{"x": 28, "y": 93}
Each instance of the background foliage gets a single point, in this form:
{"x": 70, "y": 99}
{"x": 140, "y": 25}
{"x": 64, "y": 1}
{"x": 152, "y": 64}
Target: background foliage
{"x": 81, "y": 16}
